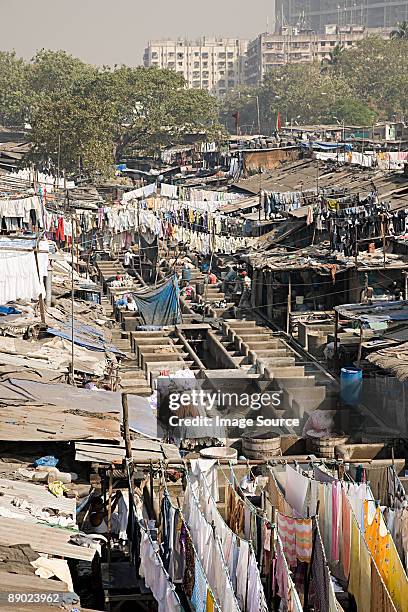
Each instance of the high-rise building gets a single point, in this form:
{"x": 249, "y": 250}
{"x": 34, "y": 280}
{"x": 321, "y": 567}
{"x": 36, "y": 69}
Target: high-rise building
{"x": 316, "y": 14}
{"x": 214, "y": 64}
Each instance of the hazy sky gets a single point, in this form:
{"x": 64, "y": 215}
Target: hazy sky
{"x": 109, "y": 31}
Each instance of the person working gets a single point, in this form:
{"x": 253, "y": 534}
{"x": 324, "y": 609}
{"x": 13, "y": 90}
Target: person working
{"x": 127, "y": 258}
{"x": 98, "y": 515}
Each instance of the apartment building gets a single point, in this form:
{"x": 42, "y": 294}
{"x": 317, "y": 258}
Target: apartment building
{"x": 214, "y": 64}
{"x": 268, "y": 51}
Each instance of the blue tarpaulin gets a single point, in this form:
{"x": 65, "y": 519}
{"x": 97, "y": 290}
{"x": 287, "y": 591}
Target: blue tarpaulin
{"x": 9, "y": 310}
{"x": 160, "y": 306}
{"x": 84, "y": 335}
{"x": 327, "y": 146}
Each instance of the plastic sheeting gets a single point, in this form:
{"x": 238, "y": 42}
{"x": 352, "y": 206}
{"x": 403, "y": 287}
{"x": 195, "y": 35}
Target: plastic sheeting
{"x": 84, "y": 335}
{"x": 160, "y": 306}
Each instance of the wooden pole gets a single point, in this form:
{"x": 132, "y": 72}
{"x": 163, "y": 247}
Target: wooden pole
{"x": 72, "y": 300}
{"x": 360, "y": 347}
{"x": 110, "y": 512}
{"x": 126, "y": 430}
{"x": 289, "y": 304}
{"x": 336, "y": 338}
{"x": 383, "y": 238}
{"x": 138, "y": 235}
{"x": 40, "y": 297}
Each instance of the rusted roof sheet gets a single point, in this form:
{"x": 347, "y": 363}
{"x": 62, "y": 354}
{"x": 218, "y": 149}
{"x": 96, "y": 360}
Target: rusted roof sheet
{"x": 34, "y": 411}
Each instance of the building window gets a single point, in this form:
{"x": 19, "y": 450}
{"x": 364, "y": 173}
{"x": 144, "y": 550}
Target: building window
{"x": 155, "y": 55}
{"x": 180, "y": 55}
{"x": 205, "y": 83}
{"x": 196, "y": 75}
{"x": 205, "y": 73}
{"x": 205, "y": 64}
{"x": 221, "y": 64}
{"x": 196, "y": 84}
{"x": 230, "y": 64}
{"x": 221, "y": 72}
{"x": 196, "y": 54}
{"x": 221, "y": 92}
{"x": 221, "y": 55}
{"x": 231, "y": 83}
{"x": 171, "y": 54}
{"x": 196, "y": 64}
{"x": 170, "y": 64}
{"x": 204, "y": 55}
{"x": 180, "y": 64}
{"x": 231, "y": 73}
{"x": 230, "y": 54}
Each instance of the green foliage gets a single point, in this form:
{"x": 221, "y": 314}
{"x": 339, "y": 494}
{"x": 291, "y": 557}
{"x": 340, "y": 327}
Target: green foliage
{"x": 14, "y": 97}
{"x": 358, "y": 86}
{"x": 401, "y": 32}
{"x": 87, "y": 116}
{"x": 243, "y": 101}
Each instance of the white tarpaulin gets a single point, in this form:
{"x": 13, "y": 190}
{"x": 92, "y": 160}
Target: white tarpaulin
{"x": 19, "y": 277}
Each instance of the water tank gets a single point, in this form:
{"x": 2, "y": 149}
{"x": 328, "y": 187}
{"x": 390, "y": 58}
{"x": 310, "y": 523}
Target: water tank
{"x": 351, "y": 382}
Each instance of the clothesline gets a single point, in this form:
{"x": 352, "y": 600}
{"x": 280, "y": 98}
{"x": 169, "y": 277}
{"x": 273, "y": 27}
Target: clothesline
{"x": 151, "y": 579}
{"x": 192, "y": 543}
{"x": 291, "y": 589}
{"x": 220, "y": 596}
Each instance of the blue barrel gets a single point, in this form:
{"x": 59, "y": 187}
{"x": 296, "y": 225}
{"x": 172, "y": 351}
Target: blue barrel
{"x": 351, "y": 383}
{"x": 186, "y": 274}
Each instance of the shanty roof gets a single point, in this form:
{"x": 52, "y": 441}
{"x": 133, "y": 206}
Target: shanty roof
{"x": 320, "y": 259}
{"x": 42, "y": 539}
{"x": 394, "y": 359}
{"x": 305, "y": 174}
{"x": 34, "y": 494}
{"x": 375, "y": 312}
{"x": 35, "y": 411}
{"x": 142, "y": 451}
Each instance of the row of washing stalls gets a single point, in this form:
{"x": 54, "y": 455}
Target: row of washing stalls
{"x": 279, "y": 292}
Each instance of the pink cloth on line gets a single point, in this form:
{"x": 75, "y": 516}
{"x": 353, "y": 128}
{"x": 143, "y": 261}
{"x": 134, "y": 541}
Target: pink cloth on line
{"x": 287, "y": 534}
{"x": 336, "y": 500}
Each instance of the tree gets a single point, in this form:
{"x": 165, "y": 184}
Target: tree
{"x": 376, "y": 72}
{"x": 14, "y": 92}
{"x": 92, "y": 116}
{"x": 354, "y": 112}
{"x": 333, "y": 59}
{"x": 401, "y": 32}
{"x": 302, "y": 92}
{"x": 55, "y": 72}
{"x": 243, "y": 101}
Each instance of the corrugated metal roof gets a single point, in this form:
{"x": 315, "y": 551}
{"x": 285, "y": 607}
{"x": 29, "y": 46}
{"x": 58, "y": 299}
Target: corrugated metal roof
{"x": 42, "y": 539}
{"x": 35, "y": 494}
{"x": 35, "y": 411}
{"x": 142, "y": 451}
